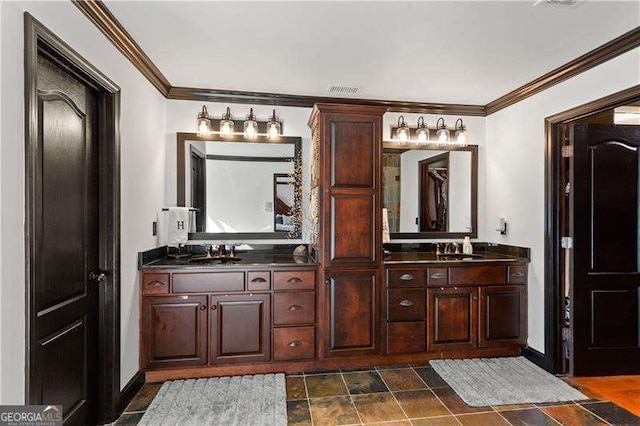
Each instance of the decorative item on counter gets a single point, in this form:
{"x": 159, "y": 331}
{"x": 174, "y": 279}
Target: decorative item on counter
{"x": 457, "y": 248}
{"x": 467, "y": 248}
{"x": 438, "y": 251}
{"x": 386, "y": 237}
{"x": 301, "y": 251}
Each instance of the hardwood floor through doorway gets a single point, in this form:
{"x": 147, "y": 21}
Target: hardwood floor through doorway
{"x": 621, "y": 390}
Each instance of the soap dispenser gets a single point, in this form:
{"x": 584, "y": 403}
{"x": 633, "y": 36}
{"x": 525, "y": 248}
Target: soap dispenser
{"x": 467, "y": 248}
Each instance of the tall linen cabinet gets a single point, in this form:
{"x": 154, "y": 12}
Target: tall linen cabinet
{"x": 346, "y": 236}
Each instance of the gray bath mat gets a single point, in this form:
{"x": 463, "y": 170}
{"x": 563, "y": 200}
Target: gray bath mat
{"x": 239, "y": 400}
{"x": 503, "y": 381}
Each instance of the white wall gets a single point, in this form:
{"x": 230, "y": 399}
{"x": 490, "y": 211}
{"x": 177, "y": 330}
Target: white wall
{"x": 475, "y": 136}
{"x": 516, "y": 160}
{"x": 143, "y": 166}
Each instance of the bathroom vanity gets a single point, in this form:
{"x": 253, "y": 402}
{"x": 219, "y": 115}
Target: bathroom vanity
{"x": 346, "y": 305}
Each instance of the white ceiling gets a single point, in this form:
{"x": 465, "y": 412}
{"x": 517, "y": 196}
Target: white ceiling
{"x": 453, "y": 52}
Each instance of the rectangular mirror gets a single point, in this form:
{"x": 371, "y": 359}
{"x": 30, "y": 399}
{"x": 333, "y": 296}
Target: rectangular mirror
{"x": 430, "y": 191}
{"x": 240, "y": 189}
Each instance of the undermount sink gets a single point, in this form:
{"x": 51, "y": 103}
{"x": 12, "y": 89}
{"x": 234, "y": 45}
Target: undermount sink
{"x": 456, "y": 256}
{"x": 212, "y": 259}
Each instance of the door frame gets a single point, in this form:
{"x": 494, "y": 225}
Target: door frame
{"x": 553, "y": 295}
{"x": 38, "y": 38}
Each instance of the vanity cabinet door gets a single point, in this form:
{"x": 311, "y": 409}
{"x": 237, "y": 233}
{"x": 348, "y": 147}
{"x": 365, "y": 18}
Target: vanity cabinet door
{"x": 240, "y": 328}
{"x": 453, "y": 322}
{"x": 502, "y": 316}
{"x": 174, "y": 331}
{"x": 351, "y": 313}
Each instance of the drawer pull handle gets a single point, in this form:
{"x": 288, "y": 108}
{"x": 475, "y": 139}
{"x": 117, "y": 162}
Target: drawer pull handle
{"x": 406, "y": 303}
{"x": 258, "y": 280}
{"x": 437, "y": 276}
{"x": 517, "y": 274}
{"x": 295, "y": 344}
{"x": 406, "y": 277}
{"x": 294, "y": 280}
{"x": 155, "y": 284}
{"x": 295, "y": 308}
{"x": 203, "y": 307}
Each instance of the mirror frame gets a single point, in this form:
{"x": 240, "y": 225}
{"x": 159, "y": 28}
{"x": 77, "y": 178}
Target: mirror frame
{"x": 391, "y": 146}
{"x": 184, "y": 137}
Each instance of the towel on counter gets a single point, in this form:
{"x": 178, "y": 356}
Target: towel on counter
{"x": 386, "y": 237}
{"x": 177, "y": 225}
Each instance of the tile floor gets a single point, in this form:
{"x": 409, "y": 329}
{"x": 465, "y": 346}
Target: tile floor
{"x": 408, "y": 395}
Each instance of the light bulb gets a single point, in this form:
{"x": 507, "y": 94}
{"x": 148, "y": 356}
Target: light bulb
{"x": 273, "y": 131}
{"x": 226, "y": 129}
{"x": 203, "y": 129}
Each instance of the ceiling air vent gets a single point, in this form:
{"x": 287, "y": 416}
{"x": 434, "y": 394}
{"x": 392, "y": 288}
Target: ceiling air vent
{"x": 556, "y": 2}
{"x": 342, "y": 90}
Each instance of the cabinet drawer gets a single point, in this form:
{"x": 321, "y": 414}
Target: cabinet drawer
{"x": 406, "y": 277}
{"x": 478, "y": 275}
{"x": 518, "y": 274}
{"x": 437, "y": 277}
{"x": 294, "y": 343}
{"x": 405, "y": 304}
{"x": 258, "y": 280}
{"x": 205, "y": 282}
{"x": 291, "y": 308}
{"x": 403, "y": 337}
{"x": 155, "y": 284}
{"x": 294, "y": 280}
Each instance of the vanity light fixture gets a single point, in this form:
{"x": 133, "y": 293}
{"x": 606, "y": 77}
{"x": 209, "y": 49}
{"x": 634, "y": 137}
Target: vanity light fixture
{"x": 273, "y": 126}
{"x": 203, "y": 124}
{"x": 461, "y": 133}
{"x": 422, "y": 131}
{"x": 403, "y": 133}
{"x": 442, "y": 135}
{"x": 226, "y": 124}
{"x": 250, "y": 126}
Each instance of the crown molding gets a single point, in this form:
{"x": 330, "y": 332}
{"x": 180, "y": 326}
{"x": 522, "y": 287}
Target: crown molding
{"x": 234, "y": 96}
{"x": 101, "y": 16}
{"x": 595, "y": 57}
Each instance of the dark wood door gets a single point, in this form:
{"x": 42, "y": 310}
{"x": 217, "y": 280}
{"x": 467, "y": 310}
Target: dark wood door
{"x": 502, "y": 316}
{"x": 352, "y": 184}
{"x": 199, "y": 188}
{"x": 174, "y": 331}
{"x": 452, "y": 318}
{"x": 606, "y": 254}
{"x": 240, "y": 328}
{"x": 64, "y": 297}
{"x": 352, "y": 303}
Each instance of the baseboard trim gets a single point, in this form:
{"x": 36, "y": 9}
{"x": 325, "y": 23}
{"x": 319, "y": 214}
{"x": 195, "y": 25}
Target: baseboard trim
{"x": 535, "y": 357}
{"x": 130, "y": 390}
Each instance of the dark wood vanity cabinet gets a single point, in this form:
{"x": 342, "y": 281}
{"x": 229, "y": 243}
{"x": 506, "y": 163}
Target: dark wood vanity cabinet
{"x": 465, "y": 307}
{"x": 351, "y": 313}
{"x": 240, "y": 329}
{"x": 228, "y": 316}
{"x": 174, "y": 331}
{"x": 453, "y": 320}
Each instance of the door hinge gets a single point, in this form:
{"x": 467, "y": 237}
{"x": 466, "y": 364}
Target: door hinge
{"x": 567, "y": 151}
{"x": 566, "y": 242}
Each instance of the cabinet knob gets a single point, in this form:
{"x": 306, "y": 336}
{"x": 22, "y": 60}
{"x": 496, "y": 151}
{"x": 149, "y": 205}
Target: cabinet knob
{"x": 295, "y": 344}
{"x": 203, "y": 307}
{"x": 214, "y": 307}
{"x": 406, "y": 303}
{"x": 406, "y": 277}
{"x": 455, "y": 288}
{"x": 475, "y": 297}
{"x": 295, "y": 308}
{"x": 441, "y": 288}
{"x": 327, "y": 282}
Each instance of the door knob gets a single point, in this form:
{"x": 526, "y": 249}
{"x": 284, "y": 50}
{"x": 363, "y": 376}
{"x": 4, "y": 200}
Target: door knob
{"x": 97, "y": 277}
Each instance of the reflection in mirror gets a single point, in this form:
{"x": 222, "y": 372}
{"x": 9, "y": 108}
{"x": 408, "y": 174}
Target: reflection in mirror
{"x": 242, "y": 187}
{"x": 429, "y": 190}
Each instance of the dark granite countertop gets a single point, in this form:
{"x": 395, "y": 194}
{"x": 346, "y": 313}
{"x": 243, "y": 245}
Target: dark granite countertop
{"x": 426, "y": 257}
{"x": 246, "y": 259}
